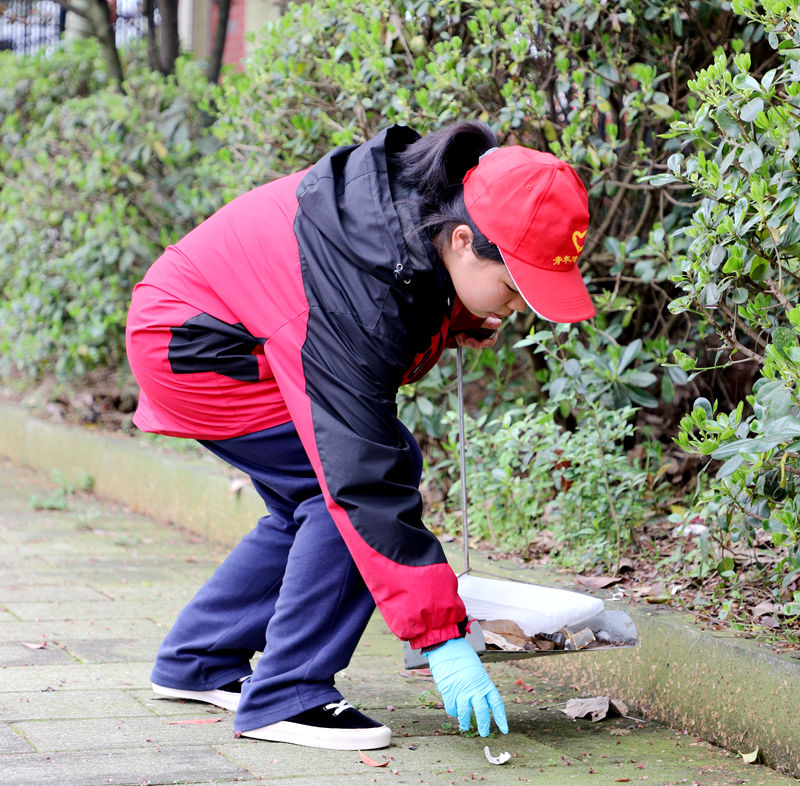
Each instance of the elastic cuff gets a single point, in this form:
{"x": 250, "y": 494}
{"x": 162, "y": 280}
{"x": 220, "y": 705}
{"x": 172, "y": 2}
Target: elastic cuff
{"x": 436, "y": 638}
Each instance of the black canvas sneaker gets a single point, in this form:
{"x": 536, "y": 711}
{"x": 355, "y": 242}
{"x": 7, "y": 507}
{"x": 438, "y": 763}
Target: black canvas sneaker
{"x": 336, "y": 726}
{"x": 226, "y": 696}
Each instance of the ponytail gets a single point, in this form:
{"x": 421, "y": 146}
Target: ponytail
{"x": 433, "y": 167}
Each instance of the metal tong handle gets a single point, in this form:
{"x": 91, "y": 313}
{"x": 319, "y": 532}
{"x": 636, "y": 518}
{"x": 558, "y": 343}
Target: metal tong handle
{"x": 462, "y": 460}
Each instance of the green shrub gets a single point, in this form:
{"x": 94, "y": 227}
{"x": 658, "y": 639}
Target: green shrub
{"x": 739, "y": 279}
{"x": 596, "y": 88}
{"x": 32, "y": 86}
{"x": 526, "y": 471}
{"x": 98, "y": 184}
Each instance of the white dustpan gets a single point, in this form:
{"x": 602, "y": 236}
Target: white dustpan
{"x": 536, "y": 609}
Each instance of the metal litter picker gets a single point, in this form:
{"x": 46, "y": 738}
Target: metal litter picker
{"x": 552, "y": 621}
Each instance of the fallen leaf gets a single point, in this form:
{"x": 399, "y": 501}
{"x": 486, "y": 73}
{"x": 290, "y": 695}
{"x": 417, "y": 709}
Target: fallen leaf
{"x": 501, "y": 759}
{"x": 371, "y": 762}
{"x": 763, "y": 608}
{"x": 749, "y": 758}
{"x": 31, "y": 646}
{"x": 597, "y": 708}
{"x": 193, "y": 721}
{"x": 598, "y": 582}
{"x": 619, "y": 732}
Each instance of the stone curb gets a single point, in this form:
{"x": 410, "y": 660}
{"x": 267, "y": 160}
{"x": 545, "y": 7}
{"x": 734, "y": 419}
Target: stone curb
{"x": 726, "y": 690}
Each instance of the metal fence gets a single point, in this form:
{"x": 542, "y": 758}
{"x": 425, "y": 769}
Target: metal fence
{"x": 130, "y": 22}
{"x": 27, "y": 26}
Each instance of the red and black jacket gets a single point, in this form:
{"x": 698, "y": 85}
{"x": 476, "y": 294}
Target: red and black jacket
{"x": 311, "y": 299}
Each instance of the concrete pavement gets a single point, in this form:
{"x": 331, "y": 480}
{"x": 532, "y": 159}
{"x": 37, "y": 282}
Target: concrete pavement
{"x": 88, "y": 589}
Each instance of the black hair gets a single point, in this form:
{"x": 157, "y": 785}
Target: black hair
{"x": 434, "y": 166}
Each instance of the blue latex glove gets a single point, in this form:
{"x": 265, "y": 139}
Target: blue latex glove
{"x": 464, "y": 684}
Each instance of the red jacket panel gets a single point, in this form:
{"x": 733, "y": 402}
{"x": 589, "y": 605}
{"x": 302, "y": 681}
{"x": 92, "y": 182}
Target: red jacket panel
{"x": 287, "y": 305}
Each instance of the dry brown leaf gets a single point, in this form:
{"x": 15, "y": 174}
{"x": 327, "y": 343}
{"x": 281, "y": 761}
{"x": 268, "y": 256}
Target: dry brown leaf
{"x": 194, "y": 721}
{"x": 763, "y": 608}
{"x": 371, "y": 762}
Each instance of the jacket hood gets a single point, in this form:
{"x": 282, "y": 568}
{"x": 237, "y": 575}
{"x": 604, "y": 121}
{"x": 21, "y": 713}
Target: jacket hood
{"x": 347, "y": 197}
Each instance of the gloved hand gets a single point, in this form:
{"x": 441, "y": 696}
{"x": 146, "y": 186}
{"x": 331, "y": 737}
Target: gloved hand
{"x": 464, "y": 684}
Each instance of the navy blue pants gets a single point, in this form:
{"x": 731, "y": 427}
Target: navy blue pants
{"x": 290, "y": 590}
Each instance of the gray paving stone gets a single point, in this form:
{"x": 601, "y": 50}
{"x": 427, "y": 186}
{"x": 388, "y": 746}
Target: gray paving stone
{"x": 163, "y": 611}
{"x": 54, "y": 705}
{"x": 15, "y": 653}
{"x": 108, "y": 650}
{"x": 75, "y": 677}
{"x": 151, "y": 765}
{"x": 11, "y": 742}
{"x": 68, "y": 543}
{"x": 14, "y": 629}
{"x": 155, "y": 568}
{"x": 32, "y": 590}
{"x": 90, "y": 734}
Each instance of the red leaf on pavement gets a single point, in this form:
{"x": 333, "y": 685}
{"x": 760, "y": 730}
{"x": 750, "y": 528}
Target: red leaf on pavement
{"x": 31, "y": 646}
{"x": 194, "y": 721}
{"x": 371, "y": 762}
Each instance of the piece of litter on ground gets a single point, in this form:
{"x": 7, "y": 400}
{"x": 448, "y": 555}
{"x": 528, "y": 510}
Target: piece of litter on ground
{"x": 31, "y": 646}
{"x": 371, "y": 762}
{"x": 501, "y": 759}
{"x": 749, "y": 758}
{"x": 596, "y": 708}
{"x": 237, "y": 484}
{"x": 501, "y": 642}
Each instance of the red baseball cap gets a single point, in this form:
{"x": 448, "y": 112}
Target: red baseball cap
{"x": 535, "y": 209}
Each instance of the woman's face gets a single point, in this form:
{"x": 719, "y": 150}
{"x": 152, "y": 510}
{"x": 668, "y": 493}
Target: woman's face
{"x": 484, "y": 286}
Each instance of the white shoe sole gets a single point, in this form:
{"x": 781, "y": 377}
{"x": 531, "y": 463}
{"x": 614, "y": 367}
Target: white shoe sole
{"x": 320, "y": 737}
{"x": 220, "y": 698}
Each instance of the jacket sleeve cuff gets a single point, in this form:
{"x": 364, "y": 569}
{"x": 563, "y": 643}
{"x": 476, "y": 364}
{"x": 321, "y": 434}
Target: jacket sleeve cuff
{"x": 439, "y": 636}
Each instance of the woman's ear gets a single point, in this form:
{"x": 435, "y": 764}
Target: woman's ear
{"x": 461, "y": 239}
